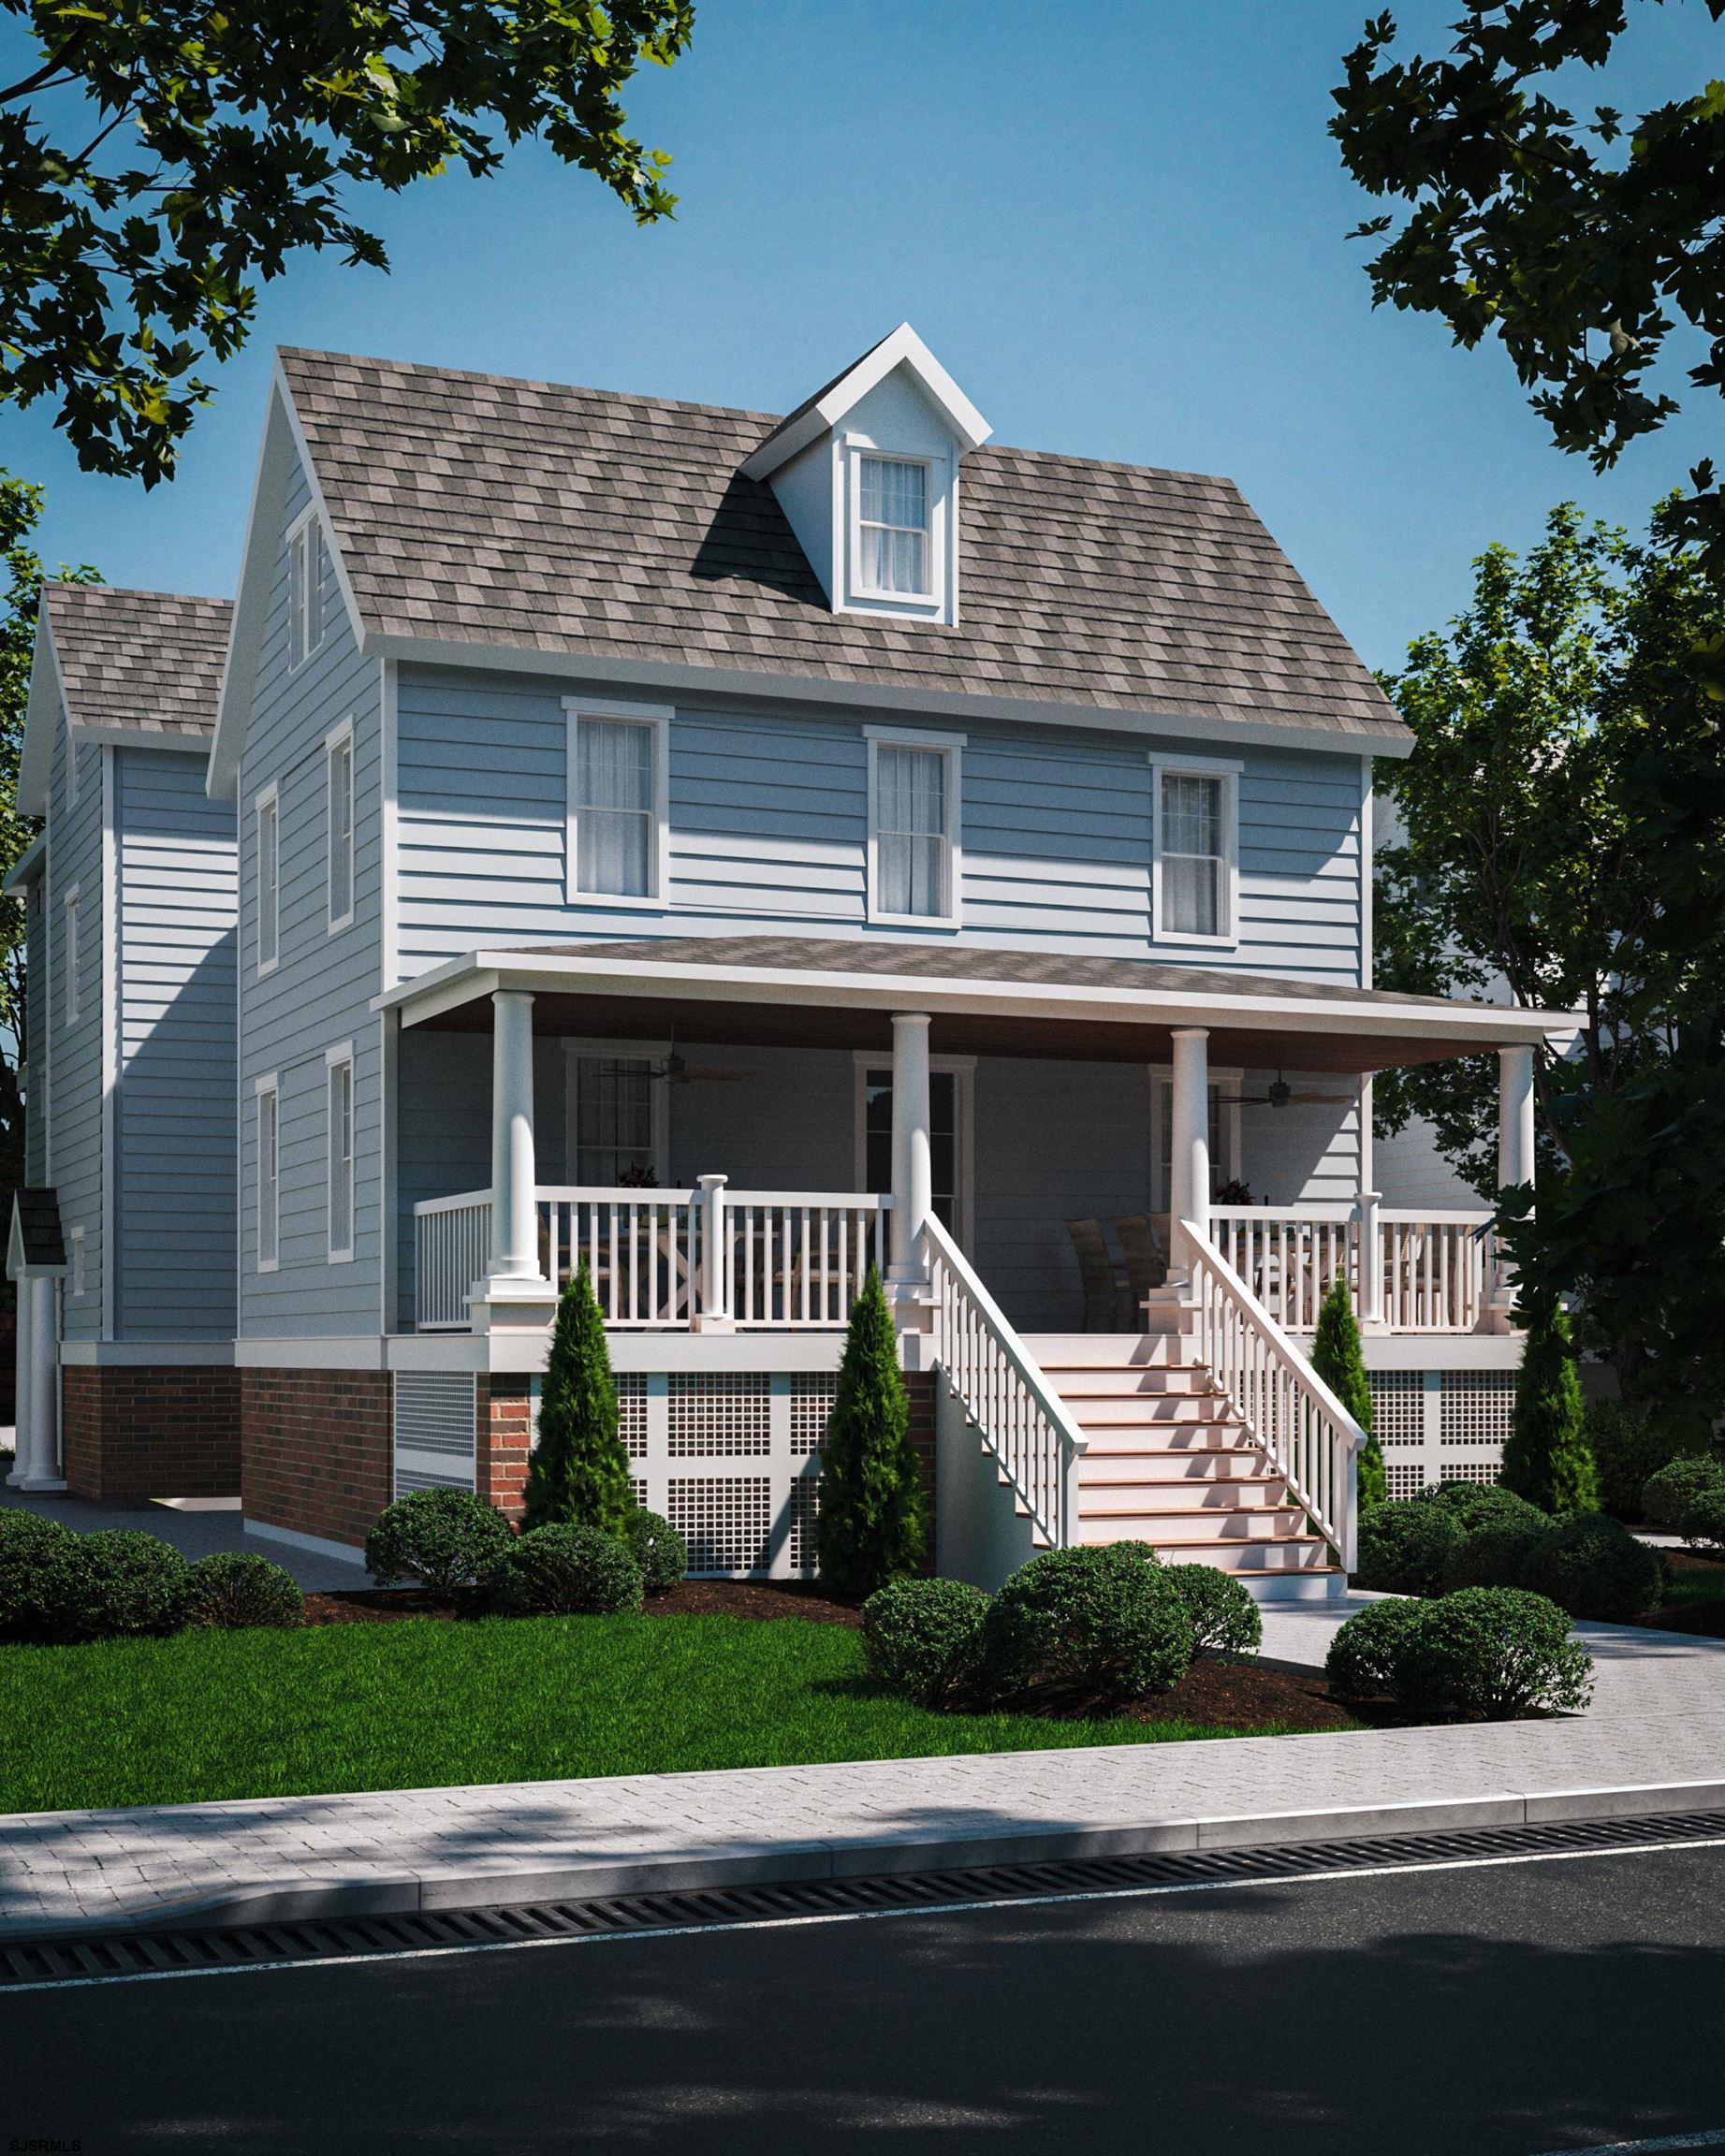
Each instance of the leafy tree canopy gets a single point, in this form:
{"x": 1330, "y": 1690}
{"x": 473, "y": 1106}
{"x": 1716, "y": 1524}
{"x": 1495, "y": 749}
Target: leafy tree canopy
{"x": 162, "y": 155}
{"x": 1582, "y": 245}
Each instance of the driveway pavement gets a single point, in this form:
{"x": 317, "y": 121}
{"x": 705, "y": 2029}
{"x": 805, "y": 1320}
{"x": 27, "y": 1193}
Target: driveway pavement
{"x": 196, "y": 1534}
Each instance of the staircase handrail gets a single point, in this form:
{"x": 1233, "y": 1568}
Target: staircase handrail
{"x": 1026, "y": 1427}
{"x": 1289, "y": 1413}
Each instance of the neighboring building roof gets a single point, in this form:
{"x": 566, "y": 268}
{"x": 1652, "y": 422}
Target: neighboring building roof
{"x": 475, "y": 510}
{"x": 143, "y": 661}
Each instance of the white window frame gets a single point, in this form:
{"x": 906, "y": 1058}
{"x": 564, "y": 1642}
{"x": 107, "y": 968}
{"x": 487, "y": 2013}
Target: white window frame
{"x": 80, "y": 1281}
{"x": 950, "y": 745}
{"x": 633, "y": 1052}
{"x": 337, "y": 740}
{"x": 267, "y": 951}
{"x": 1229, "y": 775}
{"x": 307, "y": 554}
{"x": 657, "y": 719}
{"x": 1228, "y": 1083}
{"x": 269, "y": 1087}
{"x": 933, "y": 483}
{"x": 963, "y": 1068}
{"x": 339, "y": 1058}
{"x": 71, "y": 952}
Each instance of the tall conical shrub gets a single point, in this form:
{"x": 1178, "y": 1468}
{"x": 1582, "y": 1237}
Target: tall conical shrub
{"x": 1335, "y": 1357}
{"x": 1547, "y": 1458}
{"x": 579, "y": 1471}
{"x": 873, "y": 1525}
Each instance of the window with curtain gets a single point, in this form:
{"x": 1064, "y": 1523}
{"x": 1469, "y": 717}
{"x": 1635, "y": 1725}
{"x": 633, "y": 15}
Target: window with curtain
{"x": 1223, "y": 1166}
{"x": 340, "y": 823}
{"x": 615, "y": 816}
{"x": 614, "y": 1120}
{"x": 340, "y": 1156}
{"x": 268, "y": 882}
{"x": 912, "y": 831}
{"x": 892, "y": 525}
{"x": 1195, "y": 855}
{"x": 269, "y": 1175}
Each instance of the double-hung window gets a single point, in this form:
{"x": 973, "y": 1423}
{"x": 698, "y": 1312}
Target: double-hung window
{"x": 1195, "y": 852}
{"x": 269, "y": 1093}
{"x": 305, "y": 589}
{"x": 268, "y": 846}
{"x": 71, "y": 955}
{"x": 912, "y": 829}
{"x": 892, "y": 527}
{"x": 339, "y": 1093}
{"x": 339, "y": 804}
{"x": 619, "y": 789}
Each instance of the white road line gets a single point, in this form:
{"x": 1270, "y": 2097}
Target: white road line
{"x": 875, "y": 1915}
{"x": 1715, "y": 2139}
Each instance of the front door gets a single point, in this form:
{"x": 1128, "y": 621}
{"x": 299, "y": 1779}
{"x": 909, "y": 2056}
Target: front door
{"x": 948, "y": 1143}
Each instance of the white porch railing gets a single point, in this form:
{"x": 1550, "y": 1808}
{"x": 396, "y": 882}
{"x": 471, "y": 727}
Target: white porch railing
{"x": 1303, "y": 1429}
{"x": 1024, "y": 1422}
{"x": 1435, "y": 1268}
{"x": 667, "y": 1258}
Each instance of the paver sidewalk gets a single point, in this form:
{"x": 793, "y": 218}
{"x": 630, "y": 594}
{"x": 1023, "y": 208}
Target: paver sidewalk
{"x": 1654, "y": 1740}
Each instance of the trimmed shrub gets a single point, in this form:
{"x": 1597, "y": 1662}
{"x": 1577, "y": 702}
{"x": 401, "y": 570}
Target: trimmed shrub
{"x": 1668, "y": 1494}
{"x": 1474, "y": 1506}
{"x": 923, "y": 1638}
{"x": 134, "y": 1584}
{"x": 561, "y": 1570}
{"x": 443, "y": 1539}
{"x": 1590, "y": 1564}
{"x": 1629, "y": 1444}
{"x": 1546, "y": 1458}
{"x": 657, "y": 1548}
{"x": 30, "y": 1548}
{"x": 1224, "y": 1618}
{"x": 1405, "y": 1545}
{"x": 579, "y": 1469}
{"x": 1495, "y": 1554}
{"x": 1366, "y": 1656}
{"x": 236, "y": 1591}
{"x": 873, "y": 1525}
{"x": 1335, "y": 1356}
{"x": 1495, "y": 1651}
{"x": 1098, "y": 1627}
{"x": 1702, "y": 1525}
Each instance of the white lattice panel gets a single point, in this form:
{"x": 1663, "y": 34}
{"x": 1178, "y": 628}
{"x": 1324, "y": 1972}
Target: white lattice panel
{"x": 1442, "y": 1425}
{"x": 1404, "y": 1478}
{"x": 1398, "y": 1406}
{"x": 812, "y": 1406}
{"x": 719, "y": 1417}
{"x": 632, "y": 1413}
{"x": 727, "y": 1520}
{"x": 1476, "y": 1408}
{"x": 805, "y": 1504}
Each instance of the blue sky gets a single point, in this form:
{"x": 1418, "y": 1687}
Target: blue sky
{"x": 1120, "y": 225}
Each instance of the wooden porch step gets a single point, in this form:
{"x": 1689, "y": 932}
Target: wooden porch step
{"x": 1172, "y": 1439}
{"x": 1129, "y": 1514}
{"x": 1172, "y": 1380}
{"x": 1220, "y": 1464}
{"x": 1108, "y": 1351}
{"x": 1145, "y": 1410}
{"x": 1301, "y": 1554}
{"x": 1135, "y": 1495}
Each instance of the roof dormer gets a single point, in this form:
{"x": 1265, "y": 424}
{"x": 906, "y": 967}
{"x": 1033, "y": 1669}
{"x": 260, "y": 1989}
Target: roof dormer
{"x": 866, "y": 473}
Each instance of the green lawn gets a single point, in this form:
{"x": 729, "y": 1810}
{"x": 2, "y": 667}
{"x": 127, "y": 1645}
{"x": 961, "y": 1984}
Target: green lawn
{"x": 1687, "y": 1587}
{"x": 419, "y": 1703}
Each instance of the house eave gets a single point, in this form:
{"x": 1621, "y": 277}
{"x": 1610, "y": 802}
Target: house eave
{"x": 902, "y": 348}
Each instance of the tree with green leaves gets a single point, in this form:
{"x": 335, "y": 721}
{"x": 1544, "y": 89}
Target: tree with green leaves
{"x": 873, "y": 1525}
{"x": 1584, "y": 246}
{"x": 1338, "y": 1360}
{"x": 160, "y": 161}
{"x": 1547, "y": 1458}
{"x": 579, "y": 1470}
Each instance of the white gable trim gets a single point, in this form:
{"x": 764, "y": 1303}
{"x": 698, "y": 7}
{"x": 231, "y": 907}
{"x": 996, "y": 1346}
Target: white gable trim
{"x": 902, "y": 348}
{"x": 43, "y": 712}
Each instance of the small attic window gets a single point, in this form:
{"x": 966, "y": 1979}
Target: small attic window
{"x": 892, "y": 528}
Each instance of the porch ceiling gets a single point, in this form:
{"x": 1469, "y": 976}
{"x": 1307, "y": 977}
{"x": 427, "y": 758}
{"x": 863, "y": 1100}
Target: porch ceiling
{"x": 760, "y": 991}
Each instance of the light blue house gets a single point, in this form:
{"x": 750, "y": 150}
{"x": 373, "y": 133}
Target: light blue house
{"x": 736, "y": 851}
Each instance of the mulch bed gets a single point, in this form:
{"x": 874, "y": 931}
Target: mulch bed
{"x": 1244, "y": 1695}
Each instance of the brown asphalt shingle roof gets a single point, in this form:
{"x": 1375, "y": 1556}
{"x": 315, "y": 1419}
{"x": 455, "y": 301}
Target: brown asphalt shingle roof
{"x": 146, "y": 660}
{"x": 526, "y": 515}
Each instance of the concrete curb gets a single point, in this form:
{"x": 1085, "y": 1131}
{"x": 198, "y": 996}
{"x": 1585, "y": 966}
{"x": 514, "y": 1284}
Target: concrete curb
{"x": 452, "y": 1887}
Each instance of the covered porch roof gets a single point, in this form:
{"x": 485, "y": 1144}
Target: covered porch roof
{"x": 763, "y": 991}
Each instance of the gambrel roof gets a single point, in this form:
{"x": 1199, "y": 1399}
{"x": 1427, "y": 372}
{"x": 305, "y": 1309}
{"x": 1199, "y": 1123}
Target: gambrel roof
{"x": 474, "y": 511}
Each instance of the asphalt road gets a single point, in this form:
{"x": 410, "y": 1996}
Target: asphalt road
{"x": 1506, "y": 2011}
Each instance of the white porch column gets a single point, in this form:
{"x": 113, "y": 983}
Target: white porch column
{"x": 1514, "y": 1166}
{"x": 913, "y": 1168}
{"x": 35, "y": 1466}
{"x": 514, "y": 1277}
{"x": 1369, "y": 1289}
{"x": 1189, "y": 1158}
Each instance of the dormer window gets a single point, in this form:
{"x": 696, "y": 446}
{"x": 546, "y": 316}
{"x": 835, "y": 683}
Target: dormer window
{"x": 892, "y": 528}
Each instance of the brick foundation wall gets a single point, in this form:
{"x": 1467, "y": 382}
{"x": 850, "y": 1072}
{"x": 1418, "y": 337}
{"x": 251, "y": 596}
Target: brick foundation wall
{"x": 502, "y": 1440}
{"x": 318, "y": 1449}
{"x": 168, "y": 1430}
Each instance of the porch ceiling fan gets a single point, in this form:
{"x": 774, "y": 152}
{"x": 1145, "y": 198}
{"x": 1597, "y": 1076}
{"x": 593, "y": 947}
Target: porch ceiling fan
{"x": 1281, "y": 1094}
{"x": 675, "y": 1072}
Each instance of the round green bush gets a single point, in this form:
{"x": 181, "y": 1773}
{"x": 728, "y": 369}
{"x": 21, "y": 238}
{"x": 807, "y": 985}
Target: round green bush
{"x": 1404, "y": 1546}
{"x": 1495, "y": 1554}
{"x": 657, "y": 1548}
{"x": 1590, "y": 1564}
{"x": 30, "y": 1546}
{"x": 923, "y": 1638}
{"x": 563, "y": 1572}
{"x": 1100, "y": 1627}
{"x": 1630, "y": 1445}
{"x": 133, "y": 1584}
{"x": 1667, "y": 1496}
{"x": 1495, "y": 1651}
{"x": 1365, "y": 1655}
{"x": 1224, "y": 1618}
{"x": 237, "y": 1591}
{"x": 1702, "y": 1525}
{"x": 1475, "y": 1505}
{"x": 443, "y": 1539}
